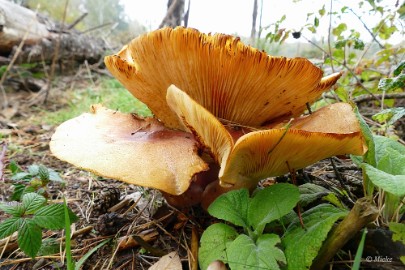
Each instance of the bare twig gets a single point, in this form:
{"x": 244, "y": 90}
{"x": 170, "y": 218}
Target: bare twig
{"x": 346, "y": 67}
{"x": 365, "y": 98}
{"x": 2, "y": 161}
{"x": 73, "y": 24}
{"x": 368, "y": 30}
{"x": 329, "y": 37}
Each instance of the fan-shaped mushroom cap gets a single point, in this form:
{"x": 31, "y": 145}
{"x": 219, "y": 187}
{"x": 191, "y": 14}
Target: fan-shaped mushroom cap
{"x": 332, "y": 130}
{"x": 231, "y": 80}
{"x": 130, "y": 149}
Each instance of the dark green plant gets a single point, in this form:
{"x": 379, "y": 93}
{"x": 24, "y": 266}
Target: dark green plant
{"x": 35, "y": 179}
{"x": 29, "y": 217}
{"x": 246, "y": 243}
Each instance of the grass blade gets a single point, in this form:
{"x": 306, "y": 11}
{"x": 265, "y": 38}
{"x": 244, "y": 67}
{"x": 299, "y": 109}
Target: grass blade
{"x": 88, "y": 254}
{"x": 359, "y": 253}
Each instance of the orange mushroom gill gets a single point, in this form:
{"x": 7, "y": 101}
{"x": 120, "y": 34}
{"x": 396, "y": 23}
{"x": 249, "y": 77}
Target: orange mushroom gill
{"x": 204, "y": 84}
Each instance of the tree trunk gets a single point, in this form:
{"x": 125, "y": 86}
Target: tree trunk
{"x": 40, "y": 36}
{"x": 174, "y": 15}
{"x": 254, "y": 19}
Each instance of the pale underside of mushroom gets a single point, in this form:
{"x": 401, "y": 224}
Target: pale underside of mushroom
{"x": 131, "y": 149}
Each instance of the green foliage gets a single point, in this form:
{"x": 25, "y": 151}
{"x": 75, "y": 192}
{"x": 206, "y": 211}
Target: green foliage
{"x": 359, "y": 253}
{"x": 35, "y": 179}
{"x": 29, "y": 218}
{"x": 398, "y": 230}
{"x": 109, "y": 93}
{"x": 252, "y": 249}
{"x": 302, "y": 244}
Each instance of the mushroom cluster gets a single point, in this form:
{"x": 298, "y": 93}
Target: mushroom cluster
{"x": 226, "y": 116}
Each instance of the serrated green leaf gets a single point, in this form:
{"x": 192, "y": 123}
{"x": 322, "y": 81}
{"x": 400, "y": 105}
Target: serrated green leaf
{"x": 32, "y": 202}
{"x": 394, "y": 184}
{"x": 302, "y": 245}
{"x": 310, "y": 192}
{"x": 214, "y": 242}
{"x": 13, "y": 167}
{"x": 49, "y": 246}
{"x": 9, "y": 226}
{"x": 390, "y": 84}
{"x": 43, "y": 173}
{"x": 244, "y": 253}
{"x": 33, "y": 169}
{"x": 52, "y": 217}
{"x": 21, "y": 176}
{"x": 13, "y": 208}
{"x": 270, "y": 204}
{"x": 390, "y": 115}
{"x": 18, "y": 192}
{"x": 231, "y": 206}
{"x": 55, "y": 177}
{"x": 393, "y": 162}
{"x": 398, "y": 230}
{"x": 399, "y": 68}
{"x": 29, "y": 238}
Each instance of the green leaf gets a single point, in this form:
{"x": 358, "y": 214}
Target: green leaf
{"x": 398, "y": 230}
{"x": 394, "y": 184}
{"x": 18, "y": 192}
{"x": 393, "y": 162}
{"x": 244, "y": 253}
{"x": 338, "y": 30}
{"x": 43, "y": 173}
{"x": 49, "y": 246}
{"x": 21, "y": 176}
{"x": 33, "y": 170}
{"x": 9, "y": 226}
{"x": 52, "y": 217}
{"x": 390, "y": 84}
{"x": 89, "y": 253}
{"x": 302, "y": 245}
{"x": 13, "y": 208}
{"x": 370, "y": 156}
{"x": 32, "y": 202}
{"x": 271, "y": 203}
{"x": 400, "y": 67}
{"x": 13, "y": 167}
{"x": 359, "y": 253}
{"x": 381, "y": 145}
{"x": 316, "y": 22}
{"x": 389, "y": 116}
{"x": 214, "y": 243}
{"x": 29, "y": 238}
{"x": 231, "y": 206}
{"x": 310, "y": 192}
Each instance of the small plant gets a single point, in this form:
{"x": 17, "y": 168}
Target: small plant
{"x": 35, "y": 179}
{"x": 253, "y": 247}
{"x": 29, "y": 217}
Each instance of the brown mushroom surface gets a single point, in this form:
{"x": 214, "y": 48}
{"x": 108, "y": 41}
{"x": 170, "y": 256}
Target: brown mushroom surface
{"x": 127, "y": 148}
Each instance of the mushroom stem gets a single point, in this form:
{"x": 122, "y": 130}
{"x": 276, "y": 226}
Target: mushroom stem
{"x": 362, "y": 213}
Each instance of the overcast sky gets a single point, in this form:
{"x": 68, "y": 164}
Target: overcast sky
{"x": 235, "y": 16}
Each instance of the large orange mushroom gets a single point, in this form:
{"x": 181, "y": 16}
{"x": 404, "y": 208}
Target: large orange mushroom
{"x": 210, "y": 94}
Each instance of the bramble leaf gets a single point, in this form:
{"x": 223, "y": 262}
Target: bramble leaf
{"x": 9, "y": 226}
{"x": 53, "y": 217}
{"x": 32, "y": 202}
{"x": 29, "y": 237}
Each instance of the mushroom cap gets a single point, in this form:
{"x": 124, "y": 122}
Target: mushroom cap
{"x": 332, "y": 130}
{"x": 231, "y": 80}
{"x": 130, "y": 149}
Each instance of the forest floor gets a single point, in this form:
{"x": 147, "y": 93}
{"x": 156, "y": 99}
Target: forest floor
{"x": 137, "y": 222}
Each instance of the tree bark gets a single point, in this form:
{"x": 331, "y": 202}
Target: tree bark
{"x": 40, "y": 35}
{"x": 254, "y": 19}
{"x": 174, "y": 15}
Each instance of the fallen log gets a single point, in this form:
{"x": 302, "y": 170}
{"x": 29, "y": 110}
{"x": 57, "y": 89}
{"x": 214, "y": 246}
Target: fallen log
{"x": 40, "y": 36}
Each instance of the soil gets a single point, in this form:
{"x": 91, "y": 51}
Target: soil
{"x": 108, "y": 209}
